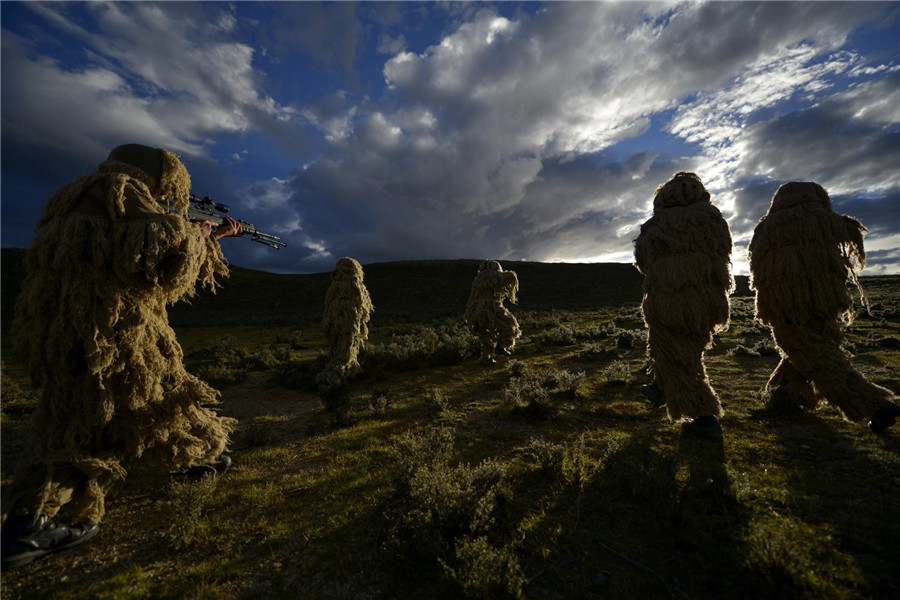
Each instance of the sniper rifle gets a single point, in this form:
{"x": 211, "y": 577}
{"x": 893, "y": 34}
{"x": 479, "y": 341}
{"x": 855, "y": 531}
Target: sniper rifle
{"x": 205, "y": 209}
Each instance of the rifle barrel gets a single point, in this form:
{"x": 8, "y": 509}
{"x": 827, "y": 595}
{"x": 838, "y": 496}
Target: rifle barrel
{"x": 204, "y": 209}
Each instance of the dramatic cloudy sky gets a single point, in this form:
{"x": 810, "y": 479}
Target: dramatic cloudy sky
{"x": 391, "y": 131}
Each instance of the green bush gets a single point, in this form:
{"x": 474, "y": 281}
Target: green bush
{"x": 188, "y": 502}
{"x": 264, "y": 359}
{"x": 743, "y": 351}
{"x": 220, "y": 376}
{"x": 568, "y": 463}
{"x": 765, "y": 348}
{"x": 548, "y": 456}
{"x": 516, "y": 367}
{"x": 299, "y": 375}
{"x": 527, "y": 391}
{"x": 14, "y": 399}
{"x": 593, "y": 332}
{"x": 438, "y": 399}
{"x": 424, "y": 346}
{"x": 452, "y": 517}
{"x": 561, "y": 335}
{"x": 294, "y": 339}
{"x": 336, "y": 399}
{"x": 630, "y": 338}
{"x": 532, "y": 391}
{"x": 565, "y": 382}
{"x": 485, "y": 570}
{"x": 379, "y": 401}
{"x": 616, "y": 372}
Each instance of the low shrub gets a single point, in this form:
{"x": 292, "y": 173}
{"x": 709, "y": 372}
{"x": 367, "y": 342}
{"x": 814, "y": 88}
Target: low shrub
{"x": 220, "y": 376}
{"x": 439, "y": 400}
{"x": 379, "y": 401}
{"x": 568, "y": 463}
{"x": 451, "y": 518}
{"x": 294, "y": 339}
{"x": 298, "y": 374}
{"x": 616, "y": 372}
{"x": 188, "y": 502}
{"x": 628, "y": 339}
{"x": 424, "y": 346}
{"x": 14, "y": 399}
{"x": 561, "y": 335}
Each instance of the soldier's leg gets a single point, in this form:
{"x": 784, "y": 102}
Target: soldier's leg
{"x": 508, "y": 333}
{"x": 488, "y": 341}
{"x": 815, "y": 352}
{"x": 788, "y": 389}
{"x": 681, "y": 376}
{"x": 30, "y": 529}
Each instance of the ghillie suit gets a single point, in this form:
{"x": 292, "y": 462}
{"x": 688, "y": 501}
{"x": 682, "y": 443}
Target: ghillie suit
{"x": 801, "y": 256}
{"x": 684, "y": 252}
{"x": 347, "y": 310}
{"x": 92, "y": 329}
{"x": 495, "y": 327}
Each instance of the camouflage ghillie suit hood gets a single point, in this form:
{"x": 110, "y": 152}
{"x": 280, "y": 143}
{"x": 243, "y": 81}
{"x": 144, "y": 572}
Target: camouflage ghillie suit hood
{"x": 347, "y": 311}
{"x": 684, "y": 252}
{"x": 801, "y": 257}
{"x": 486, "y": 316}
{"x": 92, "y": 329}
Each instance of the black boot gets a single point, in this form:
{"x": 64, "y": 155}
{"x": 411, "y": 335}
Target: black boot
{"x": 26, "y": 539}
{"x": 654, "y": 395}
{"x": 704, "y": 427}
{"x": 217, "y": 467}
{"x": 884, "y": 418}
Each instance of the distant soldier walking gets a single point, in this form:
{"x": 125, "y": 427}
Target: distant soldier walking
{"x": 347, "y": 311}
{"x": 496, "y": 328}
{"x": 801, "y": 256}
{"x": 92, "y": 329}
{"x": 684, "y": 252}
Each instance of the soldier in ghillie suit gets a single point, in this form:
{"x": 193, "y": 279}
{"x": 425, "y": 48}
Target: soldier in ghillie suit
{"x": 495, "y": 327}
{"x": 92, "y": 329}
{"x": 684, "y": 252}
{"x": 801, "y": 257}
{"x": 347, "y": 311}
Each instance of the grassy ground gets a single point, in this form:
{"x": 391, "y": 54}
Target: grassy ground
{"x": 545, "y": 476}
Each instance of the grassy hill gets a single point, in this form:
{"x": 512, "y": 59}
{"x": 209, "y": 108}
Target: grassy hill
{"x": 401, "y": 291}
{"x": 544, "y": 477}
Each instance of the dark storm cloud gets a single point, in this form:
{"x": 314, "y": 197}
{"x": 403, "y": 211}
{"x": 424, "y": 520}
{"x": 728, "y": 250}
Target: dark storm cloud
{"x": 330, "y": 33}
{"x": 483, "y": 124}
{"x": 158, "y": 73}
{"x": 848, "y": 141}
{"x": 535, "y": 135}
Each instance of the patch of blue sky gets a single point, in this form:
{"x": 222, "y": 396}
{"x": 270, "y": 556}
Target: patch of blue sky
{"x": 251, "y": 154}
{"x": 656, "y": 138}
{"x": 29, "y": 20}
{"x": 879, "y": 40}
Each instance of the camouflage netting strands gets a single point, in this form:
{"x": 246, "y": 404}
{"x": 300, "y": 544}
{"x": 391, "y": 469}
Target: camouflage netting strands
{"x": 684, "y": 252}
{"x": 801, "y": 256}
{"x": 347, "y": 311}
{"x": 92, "y": 329}
{"x": 490, "y": 321}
